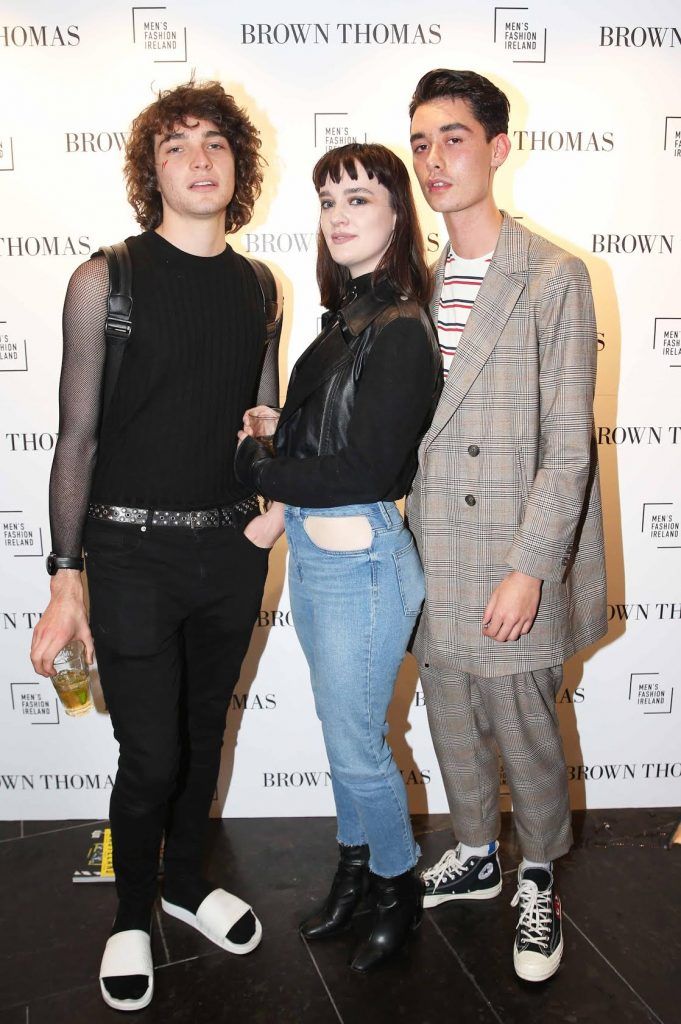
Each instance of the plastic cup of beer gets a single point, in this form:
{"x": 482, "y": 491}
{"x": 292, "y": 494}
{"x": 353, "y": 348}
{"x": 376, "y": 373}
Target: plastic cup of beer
{"x": 72, "y": 679}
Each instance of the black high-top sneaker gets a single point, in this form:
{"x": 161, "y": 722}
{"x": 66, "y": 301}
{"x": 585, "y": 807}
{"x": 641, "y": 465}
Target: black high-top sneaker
{"x": 477, "y": 878}
{"x": 538, "y": 943}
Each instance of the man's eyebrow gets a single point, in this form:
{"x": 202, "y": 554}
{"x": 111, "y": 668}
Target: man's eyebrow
{"x": 455, "y": 126}
{"x": 173, "y": 135}
{"x": 209, "y": 133}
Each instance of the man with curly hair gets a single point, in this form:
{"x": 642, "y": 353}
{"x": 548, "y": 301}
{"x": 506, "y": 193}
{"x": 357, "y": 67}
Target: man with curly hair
{"x": 176, "y": 548}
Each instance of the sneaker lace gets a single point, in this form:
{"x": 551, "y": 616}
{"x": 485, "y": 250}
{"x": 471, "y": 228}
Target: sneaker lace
{"x": 448, "y": 867}
{"x": 534, "y": 922}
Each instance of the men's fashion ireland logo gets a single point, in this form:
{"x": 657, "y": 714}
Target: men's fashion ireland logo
{"x": 35, "y": 703}
{"x": 159, "y": 34}
{"x": 667, "y": 340}
{"x": 661, "y": 523}
{"x": 13, "y": 351}
{"x": 651, "y": 693}
{"x": 20, "y": 535}
{"x": 520, "y": 34}
{"x": 333, "y": 129}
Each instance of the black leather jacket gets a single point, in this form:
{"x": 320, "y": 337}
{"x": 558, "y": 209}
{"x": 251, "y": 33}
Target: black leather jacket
{"x": 316, "y": 420}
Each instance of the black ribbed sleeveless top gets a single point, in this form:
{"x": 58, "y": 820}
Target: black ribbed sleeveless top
{"x": 191, "y": 368}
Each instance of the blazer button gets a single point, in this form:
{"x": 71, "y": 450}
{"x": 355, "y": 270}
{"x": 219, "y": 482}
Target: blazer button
{"x": 473, "y": 450}
{"x": 470, "y": 500}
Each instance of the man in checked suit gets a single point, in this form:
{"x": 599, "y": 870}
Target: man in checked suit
{"x": 506, "y": 512}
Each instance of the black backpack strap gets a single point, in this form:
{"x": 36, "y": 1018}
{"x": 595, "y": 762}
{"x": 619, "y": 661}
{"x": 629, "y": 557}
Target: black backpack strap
{"x": 268, "y": 289}
{"x": 119, "y": 316}
{"x": 118, "y": 326}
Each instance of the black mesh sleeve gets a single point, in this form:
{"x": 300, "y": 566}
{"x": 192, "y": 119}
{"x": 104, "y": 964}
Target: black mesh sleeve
{"x": 268, "y": 387}
{"x": 80, "y": 391}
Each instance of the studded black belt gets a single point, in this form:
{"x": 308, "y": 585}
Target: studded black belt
{"x": 236, "y": 515}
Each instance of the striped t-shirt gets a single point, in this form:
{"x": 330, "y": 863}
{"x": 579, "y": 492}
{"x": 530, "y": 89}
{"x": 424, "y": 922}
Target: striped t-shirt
{"x": 460, "y": 287}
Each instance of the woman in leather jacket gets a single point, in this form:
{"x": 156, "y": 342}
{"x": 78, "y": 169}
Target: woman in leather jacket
{"x": 359, "y": 400}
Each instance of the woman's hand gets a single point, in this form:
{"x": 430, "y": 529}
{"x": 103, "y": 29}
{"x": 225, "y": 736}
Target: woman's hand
{"x": 260, "y": 421}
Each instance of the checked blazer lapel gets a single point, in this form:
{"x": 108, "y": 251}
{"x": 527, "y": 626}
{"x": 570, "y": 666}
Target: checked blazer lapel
{"x": 498, "y": 295}
{"x": 438, "y": 278}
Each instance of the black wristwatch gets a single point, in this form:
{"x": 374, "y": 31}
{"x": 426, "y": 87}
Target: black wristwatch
{"x": 54, "y": 563}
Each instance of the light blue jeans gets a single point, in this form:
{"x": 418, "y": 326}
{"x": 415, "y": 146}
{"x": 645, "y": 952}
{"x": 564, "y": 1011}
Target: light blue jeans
{"x": 354, "y": 612}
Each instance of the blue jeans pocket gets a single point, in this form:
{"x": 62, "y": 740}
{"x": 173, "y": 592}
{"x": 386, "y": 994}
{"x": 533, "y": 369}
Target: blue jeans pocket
{"x": 410, "y": 578}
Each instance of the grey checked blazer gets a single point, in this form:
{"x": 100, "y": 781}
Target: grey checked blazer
{"x": 508, "y": 477}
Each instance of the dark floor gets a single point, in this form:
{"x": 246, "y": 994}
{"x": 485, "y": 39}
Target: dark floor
{"x": 622, "y": 926}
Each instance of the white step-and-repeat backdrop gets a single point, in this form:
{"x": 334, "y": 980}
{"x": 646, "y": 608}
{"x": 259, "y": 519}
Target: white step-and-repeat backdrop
{"x": 596, "y": 130}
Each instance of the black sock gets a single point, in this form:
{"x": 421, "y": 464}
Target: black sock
{"x": 243, "y": 930}
{"x": 187, "y": 892}
{"x": 131, "y": 915}
{"x": 129, "y": 986}
{"x": 190, "y": 894}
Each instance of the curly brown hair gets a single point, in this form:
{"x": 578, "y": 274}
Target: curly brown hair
{"x": 206, "y": 101}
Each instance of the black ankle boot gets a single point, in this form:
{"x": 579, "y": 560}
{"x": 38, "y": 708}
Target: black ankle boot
{"x": 350, "y": 884}
{"x": 399, "y": 907}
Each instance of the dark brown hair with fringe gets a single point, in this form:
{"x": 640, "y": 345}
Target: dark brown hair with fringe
{"x": 206, "y": 101}
{"x": 488, "y": 103}
{"x": 403, "y": 265}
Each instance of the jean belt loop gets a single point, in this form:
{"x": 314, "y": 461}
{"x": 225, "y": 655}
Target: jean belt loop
{"x": 387, "y": 519}
{"x": 148, "y": 520}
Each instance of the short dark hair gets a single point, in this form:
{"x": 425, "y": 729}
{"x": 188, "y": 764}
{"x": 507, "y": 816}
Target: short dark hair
{"x": 205, "y": 101}
{"x": 403, "y": 265}
{"x": 488, "y": 103}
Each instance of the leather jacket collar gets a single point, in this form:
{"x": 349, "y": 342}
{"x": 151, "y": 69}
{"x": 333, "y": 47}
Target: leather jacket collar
{"x": 359, "y": 309}
{"x": 333, "y": 348}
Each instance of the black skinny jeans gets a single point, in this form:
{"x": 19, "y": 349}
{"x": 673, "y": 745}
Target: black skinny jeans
{"x": 172, "y": 611}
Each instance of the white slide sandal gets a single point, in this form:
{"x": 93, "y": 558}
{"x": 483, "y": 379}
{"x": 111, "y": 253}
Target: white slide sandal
{"x": 125, "y": 954}
{"x": 217, "y": 914}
